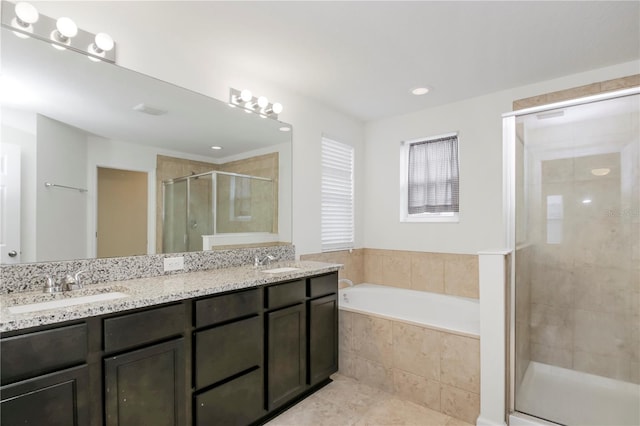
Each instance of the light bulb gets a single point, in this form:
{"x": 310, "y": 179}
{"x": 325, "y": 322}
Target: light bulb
{"x": 420, "y": 91}
{"x": 246, "y": 95}
{"x": 263, "y": 101}
{"x": 277, "y": 108}
{"x": 66, "y": 27}
{"x": 104, "y": 42}
{"x": 26, "y": 13}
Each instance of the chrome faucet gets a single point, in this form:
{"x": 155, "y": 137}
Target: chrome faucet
{"x": 345, "y": 281}
{"x": 267, "y": 260}
{"x": 68, "y": 283}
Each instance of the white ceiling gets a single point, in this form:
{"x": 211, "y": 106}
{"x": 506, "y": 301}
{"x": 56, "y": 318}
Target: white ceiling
{"x": 362, "y": 57}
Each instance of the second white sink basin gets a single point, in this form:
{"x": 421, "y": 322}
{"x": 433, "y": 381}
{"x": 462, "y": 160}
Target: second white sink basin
{"x": 280, "y": 270}
{"x": 63, "y": 303}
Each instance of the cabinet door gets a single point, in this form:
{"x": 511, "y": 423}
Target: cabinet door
{"x": 323, "y": 338}
{"x": 146, "y": 386}
{"x": 286, "y": 354}
{"x": 238, "y": 402}
{"x": 56, "y": 399}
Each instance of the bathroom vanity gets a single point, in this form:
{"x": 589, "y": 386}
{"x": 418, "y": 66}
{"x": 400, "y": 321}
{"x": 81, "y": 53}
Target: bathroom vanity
{"x": 223, "y": 353}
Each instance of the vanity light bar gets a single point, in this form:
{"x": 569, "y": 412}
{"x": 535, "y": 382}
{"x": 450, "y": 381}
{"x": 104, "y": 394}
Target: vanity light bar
{"x": 260, "y": 105}
{"x": 24, "y": 20}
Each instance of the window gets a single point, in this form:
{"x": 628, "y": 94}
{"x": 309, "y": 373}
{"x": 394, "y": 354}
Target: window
{"x": 337, "y": 196}
{"x": 430, "y": 180}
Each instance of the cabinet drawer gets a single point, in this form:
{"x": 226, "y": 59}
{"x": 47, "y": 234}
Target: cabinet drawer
{"x": 136, "y": 329}
{"x": 320, "y": 286}
{"x": 34, "y": 354}
{"x": 280, "y": 295}
{"x": 227, "y": 307}
{"x": 230, "y": 349}
{"x": 238, "y": 402}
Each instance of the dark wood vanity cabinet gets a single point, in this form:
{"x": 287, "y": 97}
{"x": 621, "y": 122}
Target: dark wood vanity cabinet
{"x": 322, "y": 308}
{"x": 228, "y": 377}
{"x": 236, "y": 358}
{"x": 144, "y": 375}
{"x": 146, "y": 386}
{"x": 55, "y": 399}
{"x": 43, "y": 382}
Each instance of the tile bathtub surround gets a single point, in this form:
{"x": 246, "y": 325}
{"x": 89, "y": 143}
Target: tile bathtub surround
{"x": 27, "y": 277}
{"x": 445, "y": 273}
{"x": 435, "y": 369}
{"x": 452, "y": 274}
{"x": 352, "y": 261}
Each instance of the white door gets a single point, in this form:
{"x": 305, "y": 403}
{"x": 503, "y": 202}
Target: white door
{"x": 9, "y": 203}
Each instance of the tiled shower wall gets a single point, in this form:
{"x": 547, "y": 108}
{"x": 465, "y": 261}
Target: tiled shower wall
{"x": 452, "y": 274}
{"x": 585, "y": 287}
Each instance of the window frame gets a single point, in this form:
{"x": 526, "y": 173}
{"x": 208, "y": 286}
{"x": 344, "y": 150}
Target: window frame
{"x": 405, "y": 216}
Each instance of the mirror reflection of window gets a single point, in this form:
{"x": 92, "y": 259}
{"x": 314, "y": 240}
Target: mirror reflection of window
{"x": 240, "y": 205}
{"x": 555, "y": 216}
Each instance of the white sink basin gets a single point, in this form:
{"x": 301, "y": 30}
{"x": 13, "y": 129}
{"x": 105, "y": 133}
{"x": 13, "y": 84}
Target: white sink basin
{"x": 280, "y": 270}
{"x": 63, "y": 303}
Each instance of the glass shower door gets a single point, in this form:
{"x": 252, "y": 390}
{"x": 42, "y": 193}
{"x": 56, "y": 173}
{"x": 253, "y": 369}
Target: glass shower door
{"x": 577, "y": 264}
{"x": 174, "y": 227}
{"x": 201, "y": 211}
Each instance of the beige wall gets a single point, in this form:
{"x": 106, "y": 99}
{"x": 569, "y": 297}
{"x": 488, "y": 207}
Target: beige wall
{"x": 453, "y": 274}
{"x": 435, "y": 369}
{"x": 122, "y": 213}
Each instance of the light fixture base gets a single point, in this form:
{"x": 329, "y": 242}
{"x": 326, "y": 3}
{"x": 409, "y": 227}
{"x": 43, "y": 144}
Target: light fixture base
{"x": 45, "y": 26}
{"x": 259, "y": 105}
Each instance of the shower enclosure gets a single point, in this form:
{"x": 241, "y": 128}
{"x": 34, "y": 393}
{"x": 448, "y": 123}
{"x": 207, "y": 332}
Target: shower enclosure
{"x": 200, "y": 207}
{"x": 576, "y": 280}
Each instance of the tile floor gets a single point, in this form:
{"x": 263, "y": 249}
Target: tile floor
{"x": 346, "y": 402}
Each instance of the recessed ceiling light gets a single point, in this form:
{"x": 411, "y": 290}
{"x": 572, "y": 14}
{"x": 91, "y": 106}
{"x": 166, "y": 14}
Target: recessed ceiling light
{"x": 285, "y": 129}
{"x": 586, "y": 201}
{"x": 147, "y": 109}
{"x": 216, "y": 147}
{"x": 420, "y": 91}
{"x": 600, "y": 172}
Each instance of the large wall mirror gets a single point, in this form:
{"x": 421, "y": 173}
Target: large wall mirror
{"x": 101, "y": 161}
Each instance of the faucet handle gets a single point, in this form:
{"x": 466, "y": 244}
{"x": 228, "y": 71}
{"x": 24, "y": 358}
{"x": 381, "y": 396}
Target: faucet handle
{"x": 50, "y": 286}
{"x": 68, "y": 283}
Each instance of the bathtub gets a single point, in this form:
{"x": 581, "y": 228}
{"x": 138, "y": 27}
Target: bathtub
{"x": 423, "y": 347}
{"x": 441, "y": 312}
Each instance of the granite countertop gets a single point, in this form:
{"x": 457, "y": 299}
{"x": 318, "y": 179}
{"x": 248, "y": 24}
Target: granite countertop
{"x": 150, "y": 291}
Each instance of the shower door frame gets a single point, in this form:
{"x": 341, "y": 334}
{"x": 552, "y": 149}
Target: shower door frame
{"x": 214, "y": 182}
{"x": 509, "y": 141}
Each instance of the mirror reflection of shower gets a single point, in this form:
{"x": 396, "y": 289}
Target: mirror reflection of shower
{"x": 209, "y": 209}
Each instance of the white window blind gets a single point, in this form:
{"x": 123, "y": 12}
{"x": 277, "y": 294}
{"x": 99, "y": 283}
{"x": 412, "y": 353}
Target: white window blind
{"x": 337, "y": 196}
